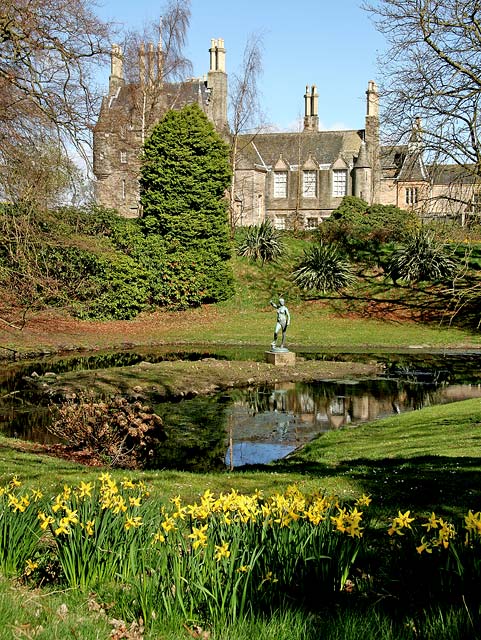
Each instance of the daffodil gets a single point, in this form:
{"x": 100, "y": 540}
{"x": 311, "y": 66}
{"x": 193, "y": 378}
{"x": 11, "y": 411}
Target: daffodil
{"x": 59, "y": 503}
{"x": 30, "y": 567}
{"x": 424, "y": 546}
{"x": 158, "y": 537}
{"x": 85, "y": 489}
{"x": 16, "y": 504}
{"x": 473, "y": 522}
{"x": 222, "y": 551}
{"x": 269, "y": 577}
{"x": 89, "y": 527}
{"x": 168, "y": 525}
{"x": 243, "y": 568}
{"x": 15, "y": 482}
{"x": 400, "y": 522}
{"x": 127, "y": 483}
{"x": 45, "y": 520}
{"x": 63, "y": 527}
{"x": 364, "y": 501}
{"x": 133, "y": 522}
{"x": 198, "y": 536}
{"x": 36, "y": 495}
{"x": 432, "y": 522}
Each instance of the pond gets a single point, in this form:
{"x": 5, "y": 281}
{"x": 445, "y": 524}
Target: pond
{"x": 265, "y": 423}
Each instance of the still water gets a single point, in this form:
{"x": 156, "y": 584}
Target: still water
{"x": 266, "y": 423}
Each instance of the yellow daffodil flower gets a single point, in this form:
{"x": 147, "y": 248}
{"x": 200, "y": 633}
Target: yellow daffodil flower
{"x": 198, "y": 536}
{"x": 133, "y": 522}
{"x": 30, "y": 567}
{"x": 45, "y": 520}
{"x": 158, "y": 537}
{"x": 85, "y": 489}
{"x": 222, "y": 551}
{"x": 432, "y": 522}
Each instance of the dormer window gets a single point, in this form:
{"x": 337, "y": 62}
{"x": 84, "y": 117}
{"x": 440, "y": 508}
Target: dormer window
{"x": 339, "y": 183}
{"x": 309, "y": 184}
{"x": 280, "y": 184}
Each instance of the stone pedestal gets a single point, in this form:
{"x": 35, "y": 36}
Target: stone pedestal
{"x": 280, "y": 357}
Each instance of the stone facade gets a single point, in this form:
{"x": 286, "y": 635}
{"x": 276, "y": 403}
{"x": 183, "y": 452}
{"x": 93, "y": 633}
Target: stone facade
{"x": 129, "y": 112}
{"x": 294, "y": 178}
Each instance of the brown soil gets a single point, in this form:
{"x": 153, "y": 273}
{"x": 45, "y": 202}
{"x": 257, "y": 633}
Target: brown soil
{"x": 56, "y": 332}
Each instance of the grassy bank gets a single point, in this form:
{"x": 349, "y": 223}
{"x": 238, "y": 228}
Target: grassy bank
{"x": 424, "y": 461}
{"x": 247, "y": 319}
{"x": 428, "y": 460}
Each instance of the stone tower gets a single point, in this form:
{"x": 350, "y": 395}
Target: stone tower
{"x": 217, "y": 86}
{"x": 131, "y": 109}
{"x": 362, "y": 174}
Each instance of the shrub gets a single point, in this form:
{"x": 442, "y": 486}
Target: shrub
{"x": 113, "y": 431}
{"x": 261, "y": 242}
{"x": 322, "y": 268}
{"x": 361, "y": 230}
{"x": 423, "y": 258}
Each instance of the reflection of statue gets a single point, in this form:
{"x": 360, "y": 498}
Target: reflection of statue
{"x": 283, "y": 321}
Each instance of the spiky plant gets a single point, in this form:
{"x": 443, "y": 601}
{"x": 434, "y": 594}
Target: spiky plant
{"x": 261, "y": 242}
{"x": 422, "y": 259}
{"x": 323, "y": 268}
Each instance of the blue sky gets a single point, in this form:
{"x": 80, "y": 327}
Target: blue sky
{"x": 333, "y": 45}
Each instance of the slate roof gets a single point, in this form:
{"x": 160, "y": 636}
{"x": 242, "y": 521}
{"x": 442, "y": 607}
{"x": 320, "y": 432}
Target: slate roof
{"x": 411, "y": 167}
{"x": 449, "y": 174}
{"x": 392, "y": 157}
{"x": 325, "y": 147}
{"x": 173, "y": 95}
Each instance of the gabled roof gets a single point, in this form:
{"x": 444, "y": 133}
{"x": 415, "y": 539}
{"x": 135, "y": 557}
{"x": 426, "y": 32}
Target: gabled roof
{"x": 410, "y": 167}
{"x": 324, "y": 147}
{"x": 413, "y": 169}
{"x": 171, "y": 95}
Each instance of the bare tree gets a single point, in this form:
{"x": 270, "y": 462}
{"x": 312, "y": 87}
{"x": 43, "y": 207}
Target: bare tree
{"x": 39, "y": 173}
{"x": 155, "y": 57}
{"x": 48, "y": 52}
{"x": 432, "y": 70}
{"x": 245, "y": 113}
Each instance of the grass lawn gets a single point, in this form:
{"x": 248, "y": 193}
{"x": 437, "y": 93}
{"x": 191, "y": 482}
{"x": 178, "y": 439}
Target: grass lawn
{"x": 420, "y": 461}
{"x": 424, "y": 461}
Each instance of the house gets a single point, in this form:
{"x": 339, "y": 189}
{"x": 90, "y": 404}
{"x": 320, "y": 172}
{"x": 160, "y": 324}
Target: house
{"x": 294, "y": 178}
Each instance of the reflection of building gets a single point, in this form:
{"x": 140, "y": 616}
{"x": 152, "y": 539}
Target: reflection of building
{"x": 296, "y": 179}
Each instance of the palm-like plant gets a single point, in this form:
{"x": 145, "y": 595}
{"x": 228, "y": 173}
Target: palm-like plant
{"x": 324, "y": 269}
{"x": 422, "y": 259}
{"x": 261, "y": 242}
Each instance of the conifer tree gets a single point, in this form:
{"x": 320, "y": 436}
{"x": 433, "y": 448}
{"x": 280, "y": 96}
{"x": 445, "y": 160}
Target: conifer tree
{"x": 185, "y": 174}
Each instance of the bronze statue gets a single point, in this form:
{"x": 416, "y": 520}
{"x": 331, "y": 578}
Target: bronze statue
{"x": 283, "y": 321}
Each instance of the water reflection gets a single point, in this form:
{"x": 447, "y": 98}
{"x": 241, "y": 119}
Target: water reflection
{"x": 262, "y": 424}
{"x": 266, "y": 424}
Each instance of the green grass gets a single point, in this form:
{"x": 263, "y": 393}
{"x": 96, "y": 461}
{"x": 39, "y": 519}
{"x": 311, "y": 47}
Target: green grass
{"x": 427, "y": 460}
{"x": 423, "y": 461}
